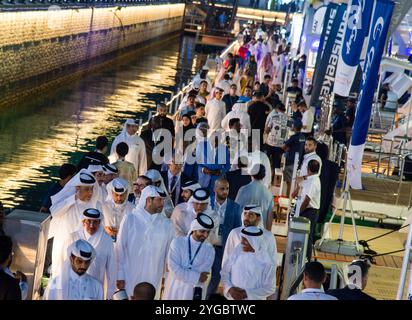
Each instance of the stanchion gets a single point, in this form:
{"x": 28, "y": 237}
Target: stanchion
{"x": 339, "y": 246}
{"x": 404, "y": 270}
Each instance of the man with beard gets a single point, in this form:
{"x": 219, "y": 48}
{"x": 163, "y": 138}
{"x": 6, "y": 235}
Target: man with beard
{"x": 199, "y": 202}
{"x": 164, "y": 121}
{"x": 79, "y": 194}
{"x": 226, "y": 216}
{"x": 103, "y": 267}
{"x": 248, "y": 272}
{"x": 143, "y": 242}
{"x": 180, "y": 210}
{"x": 137, "y": 151}
{"x": 190, "y": 260}
{"x": 73, "y": 282}
{"x": 98, "y": 173}
{"x": 138, "y": 186}
{"x": 116, "y": 206}
{"x": 251, "y": 216}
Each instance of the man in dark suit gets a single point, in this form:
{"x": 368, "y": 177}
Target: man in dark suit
{"x": 226, "y": 216}
{"x": 98, "y": 156}
{"x": 174, "y": 180}
{"x": 66, "y": 172}
{"x": 164, "y": 121}
{"x": 238, "y": 178}
{"x": 151, "y": 140}
{"x": 358, "y": 278}
{"x": 9, "y": 286}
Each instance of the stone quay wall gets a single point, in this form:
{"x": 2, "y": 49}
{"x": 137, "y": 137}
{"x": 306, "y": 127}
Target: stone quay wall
{"x": 38, "y": 48}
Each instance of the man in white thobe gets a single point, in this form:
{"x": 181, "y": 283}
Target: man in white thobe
{"x": 189, "y": 261}
{"x": 110, "y": 173}
{"x": 215, "y": 110}
{"x": 103, "y": 267}
{"x": 73, "y": 282}
{"x": 98, "y": 173}
{"x": 116, "y": 206}
{"x": 157, "y": 180}
{"x": 202, "y": 76}
{"x": 68, "y": 205}
{"x": 225, "y": 83}
{"x": 251, "y": 217}
{"x": 238, "y": 112}
{"x": 137, "y": 149}
{"x": 180, "y": 210}
{"x": 248, "y": 272}
{"x": 143, "y": 243}
{"x": 199, "y": 202}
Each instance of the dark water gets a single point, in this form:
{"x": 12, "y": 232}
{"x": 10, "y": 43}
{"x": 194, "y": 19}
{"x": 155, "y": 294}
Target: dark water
{"x": 36, "y": 138}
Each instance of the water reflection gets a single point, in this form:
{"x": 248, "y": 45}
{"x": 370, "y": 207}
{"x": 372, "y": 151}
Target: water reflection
{"x": 36, "y": 139}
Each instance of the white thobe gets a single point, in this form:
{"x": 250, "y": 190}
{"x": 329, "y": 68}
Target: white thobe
{"x": 136, "y": 154}
{"x": 141, "y": 248}
{"x": 67, "y": 216}
{"x": 237, "y": 112}
{"x": 183, "y": 276}
{"x": 234, "y": 239}
{"x": 182, "y": 217}
{"x": 83, "y": 287}
{"x": 197, "y": 80}
{"x": 103, "y": 192}
{"x": 246, "y": 271}
{"x": 257, "y": 193}
{"x": 259, "y": 157}
{"x": 215, "y": 112}
{"x": 103, "y": 267}
{"x": 225, "y": 85}
{"x": 307, "y": 120}
{"x": 114, "y": 213}
{"x": 278, "y": 64}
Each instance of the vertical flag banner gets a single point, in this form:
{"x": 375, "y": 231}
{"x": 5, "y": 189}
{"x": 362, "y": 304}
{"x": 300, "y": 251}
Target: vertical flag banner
{"x": 328, "y": 54}
{"x": 358, "y": 20}
{"x": 381, "y": 18}
{"x": 330, "y": 15}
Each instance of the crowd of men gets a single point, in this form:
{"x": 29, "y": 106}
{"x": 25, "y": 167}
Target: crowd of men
{"x": 192, "y": 219}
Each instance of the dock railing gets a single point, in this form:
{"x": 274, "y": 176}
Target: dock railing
{"x": 174, "y": 102}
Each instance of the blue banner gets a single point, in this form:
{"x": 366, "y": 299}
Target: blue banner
{"x": 378, "y": 30}
{"x": 328, "y": 54}
{"x": 358, "y": 20}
